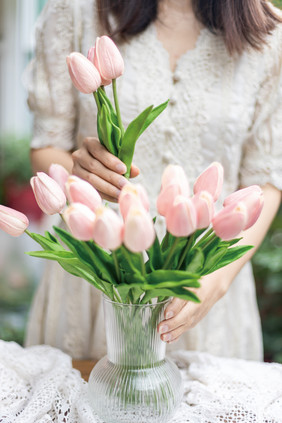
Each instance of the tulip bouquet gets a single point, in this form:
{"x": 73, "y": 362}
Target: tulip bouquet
{"x": 103, "y": 65}
{"x": 120, "y": 254}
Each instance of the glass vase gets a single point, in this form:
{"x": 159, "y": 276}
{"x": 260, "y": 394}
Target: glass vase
{"x": 135, "y": 382}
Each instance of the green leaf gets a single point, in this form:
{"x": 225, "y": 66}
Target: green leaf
{"x": 153, "y": 115}
{"x": 105, "y": 129}
{"x": 212, "y": 259}
{"x": 178, "y": 292}
{"x": 130, "y": 137}
{"x": 195, "y": 261}
{"x": 46, "y": 243}
{"x": 129, "y": 262}
{"x": 160, "y": 276}
{"x": 232, "y": 254}
{"x": 52, "y": 255}
{"x": 155, "y": 256}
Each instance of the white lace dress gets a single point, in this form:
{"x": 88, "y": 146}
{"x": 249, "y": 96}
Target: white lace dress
{"x": 221, "y": 108}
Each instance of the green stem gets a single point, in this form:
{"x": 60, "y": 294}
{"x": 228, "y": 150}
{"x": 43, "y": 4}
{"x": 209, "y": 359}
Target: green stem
{"x": 143, "y": 268}
{"x": 209, "y": 241}
{"x": 204, "y": 238}
{"x": 96, "y": 97}
{"x": 186, "y": 250}
{"x": 171, "y": 252}
{"x": 117, "y": 107}
{"x": 114, "y": 254}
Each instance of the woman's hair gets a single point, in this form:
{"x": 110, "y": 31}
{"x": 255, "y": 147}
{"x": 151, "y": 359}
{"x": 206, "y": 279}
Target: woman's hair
{"x": 242, "y": 23}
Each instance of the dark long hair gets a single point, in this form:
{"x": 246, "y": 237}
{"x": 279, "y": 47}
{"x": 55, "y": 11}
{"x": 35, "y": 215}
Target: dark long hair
{"x": 242, "y": 23}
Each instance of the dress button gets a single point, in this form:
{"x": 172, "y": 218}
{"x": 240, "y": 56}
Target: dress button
{"x": 176, "y": 78}
{"x": 169, "y": 130}
{"x": 167, "y": 157}
{"x": 172, "y": 101}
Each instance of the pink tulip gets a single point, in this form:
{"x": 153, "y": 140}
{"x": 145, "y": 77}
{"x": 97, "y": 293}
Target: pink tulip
{"x": 12, "y": 221}
{"x": 84, "y": 75}
{"x": 132, "y": 195}
{"x": 108, "y": 229}
{"x": 49, "y": 195}
{"x": 181, "y": 219}
{"x": 252, "y": 197}
{"x": 230, "y": 221}
{"x": 80, "y": 191}
{"x": 80, "y": 221}
{"x": 210, "y": 180}
{"x": 204, "y": 205}
{"x": 108, "y": 59}
{"x": 59, "y": 174}
{"x": 174, "y": 183}
{"x": 91, "y": 57}
{"x": 139, "y": 232}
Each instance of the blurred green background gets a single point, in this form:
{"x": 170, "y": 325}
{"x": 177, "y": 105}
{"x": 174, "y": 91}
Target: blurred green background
{"x": 19, "y": 274}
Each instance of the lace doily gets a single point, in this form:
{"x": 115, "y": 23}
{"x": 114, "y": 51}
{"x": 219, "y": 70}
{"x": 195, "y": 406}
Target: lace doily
{"x": 39, "y": 385}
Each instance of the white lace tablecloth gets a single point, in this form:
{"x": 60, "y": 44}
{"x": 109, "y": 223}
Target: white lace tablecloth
{"x": 38, "y": 384}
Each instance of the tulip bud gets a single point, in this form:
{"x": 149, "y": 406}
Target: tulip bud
{"x": 252, "y": 197}
{"x": 80, "y": 221}
{"x": 12, "y": 221}
{"x": 80, "y": 191}
{"x": 132, "y": 195}
{"x": 139, "y": 232}
{"x": 108, "y": 59}
{"x": 204, "y": 205}
{"x": 230, "y": 221}
{"x": 48, "y": 194}
{"x": 59, "y": 174}
{"x": 84, "y": 75}
{"x": 91, "y": 57}
{"x": 108, "y": 229}
{"x": 174, "y": 183}
{"x": 181, "y": 219}
{"x": 210, "y": 180}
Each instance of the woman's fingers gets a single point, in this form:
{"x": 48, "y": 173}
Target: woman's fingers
{"x": 100, "y": 168}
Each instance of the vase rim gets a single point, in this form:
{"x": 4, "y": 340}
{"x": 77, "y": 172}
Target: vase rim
{"x": 135, "y": 305}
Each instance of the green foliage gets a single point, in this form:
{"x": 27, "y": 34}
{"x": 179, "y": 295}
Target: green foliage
{"x": 277, "y": 3}
{"x": 267, "y": 264}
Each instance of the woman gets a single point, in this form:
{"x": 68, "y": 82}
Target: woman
{"x": 219, "y": 62}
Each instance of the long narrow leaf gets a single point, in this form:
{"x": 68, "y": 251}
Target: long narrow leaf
{"x": 153, "y": 115}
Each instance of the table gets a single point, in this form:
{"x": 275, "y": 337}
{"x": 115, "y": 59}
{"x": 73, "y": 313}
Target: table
{"x": 39, "y": 385}
{"x": 84, "y": 366}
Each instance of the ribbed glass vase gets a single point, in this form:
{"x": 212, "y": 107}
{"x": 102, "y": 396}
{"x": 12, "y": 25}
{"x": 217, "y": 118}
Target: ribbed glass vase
{"x": 134, "y": 382}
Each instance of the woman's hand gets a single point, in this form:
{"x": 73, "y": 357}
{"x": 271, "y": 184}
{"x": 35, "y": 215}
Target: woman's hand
{"x": 182, "y": 315}
{"x": 101, "y": 169}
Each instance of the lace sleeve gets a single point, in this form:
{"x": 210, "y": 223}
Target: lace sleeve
{"x": 262, "y": 155}
{"x": 51, "y": 95}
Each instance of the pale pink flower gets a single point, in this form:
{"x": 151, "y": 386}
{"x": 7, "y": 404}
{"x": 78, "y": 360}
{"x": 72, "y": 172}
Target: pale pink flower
{"x": 108, "y": 229}
{"x": 49, "y": 195}
{"x": 174, "y": 183}
{"x": 83, "y": 73}
{"x": 108, "y": 59}
{"x": 139, "y": 232}
{"x": 91, "y": 57}
{"x": 252, "y": 197}
{"x": 181, "y": 219}
{"x": 132, "y": 195}
{"x": 204, "y": 205}
{"x": 80, "y": 221}
{"x": 210, "y": 180}
{"x": 80, "y": 191}
{"x": 230, "y": 221}
{"x": 12, "y": 221}
{"x": 59, "y": 174}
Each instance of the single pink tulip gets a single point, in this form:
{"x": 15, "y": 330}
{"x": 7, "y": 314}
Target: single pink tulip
{"x": 59, "y": 174}
{"x": 91, "y": 57}
{"x": 210, "y": 180}
{"x": 181, "y": 219}
{"x": 204, "y": 205}
{"x": 108, "y": 229}
{"x": 252, "y": 197}
{"x": 139, "y": 233}
{"x": 132, "y": 195}
{"x": 174, "y": 183}
{"x": 80, "y": 221}
{"x": 108, "y": 59}
{"x": 12, "y": 221}
{"x": 80, "y": 191}
{"x": 49, "y": 195}
{"x": 84, "y": 75}
{"x": 230, "y": 221}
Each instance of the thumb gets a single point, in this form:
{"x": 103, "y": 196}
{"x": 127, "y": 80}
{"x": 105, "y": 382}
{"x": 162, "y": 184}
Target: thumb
{"x": 134, "y": 171}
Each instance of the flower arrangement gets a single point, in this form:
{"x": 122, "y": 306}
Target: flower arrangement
{"x": 108, "y": 249}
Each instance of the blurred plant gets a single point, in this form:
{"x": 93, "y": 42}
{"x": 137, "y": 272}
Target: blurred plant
{"x": 267, "y": 264}
{"x": 277, "y": 3}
